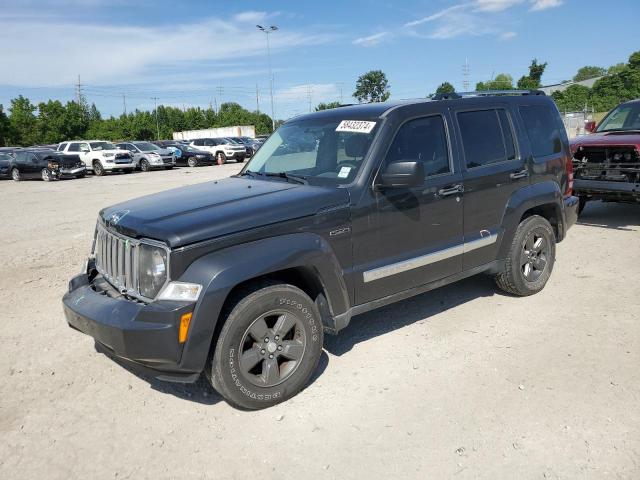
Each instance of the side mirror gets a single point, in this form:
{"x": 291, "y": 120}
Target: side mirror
{"x": 590, "y": 126}
{"x": 403, "y": 175}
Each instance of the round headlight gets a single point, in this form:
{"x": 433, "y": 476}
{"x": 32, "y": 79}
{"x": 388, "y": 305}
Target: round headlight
{"x": 152, "y": 268}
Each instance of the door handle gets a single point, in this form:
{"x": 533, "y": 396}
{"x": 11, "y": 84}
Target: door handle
{"x": 452, "y": 190}
{"x": 520, "y": 174}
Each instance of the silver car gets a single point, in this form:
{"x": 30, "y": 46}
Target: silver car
{"x": 147, "y": 156}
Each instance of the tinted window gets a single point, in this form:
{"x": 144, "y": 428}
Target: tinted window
{"x": 483, "y": 139}
{"x": 61, "y": 147}
{"x": 543, "y": 129}
{"x": 422, "y": 140}
{"x": 74, "y": 147}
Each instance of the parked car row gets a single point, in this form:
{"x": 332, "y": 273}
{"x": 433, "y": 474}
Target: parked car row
{"x": 75, "y": 158}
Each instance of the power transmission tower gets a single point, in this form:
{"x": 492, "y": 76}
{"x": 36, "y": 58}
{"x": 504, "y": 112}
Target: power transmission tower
{"x": 465, "y": 75}
{"x": 124, "y": 103}
{"x": 220, "y": 90}
{"x": 79, "y": 91}
{"x": 340, "y": 85}
{"x": 155, "y": 99}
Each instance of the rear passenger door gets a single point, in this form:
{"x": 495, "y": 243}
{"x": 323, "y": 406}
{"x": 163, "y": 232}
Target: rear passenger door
{"x": 493, "y": 170}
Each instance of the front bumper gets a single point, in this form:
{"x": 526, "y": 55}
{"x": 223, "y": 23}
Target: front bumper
{"x": 237, "y": 156}
{"x": 603, "y": 190}
{"x": 73, "y": 171}
{"x": 141, "y": 334}
{"x": 118, "y": 166}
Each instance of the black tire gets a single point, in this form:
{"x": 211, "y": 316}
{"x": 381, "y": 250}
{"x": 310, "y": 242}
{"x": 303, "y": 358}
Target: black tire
{"x": 529, "y": 264}
{"x": 98, "y": 169}
{"x": 263, "y": 311}
{"x": 46, "y": 175}
{"x": 15, "y": 175}
{"x": 240, "y": 159}
{"x": 582, "y": 202}
{"x": 144, "y": 165}
{"x": 192, "y": 162}
{"x": 221, "y": 158}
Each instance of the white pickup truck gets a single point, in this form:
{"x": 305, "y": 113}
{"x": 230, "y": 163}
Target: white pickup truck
{"x": 99, "y": 156}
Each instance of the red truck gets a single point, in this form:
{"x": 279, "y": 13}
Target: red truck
{"x": 606, "y": 163}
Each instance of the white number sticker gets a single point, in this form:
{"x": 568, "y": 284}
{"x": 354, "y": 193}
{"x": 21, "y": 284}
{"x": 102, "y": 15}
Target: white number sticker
{"x": 344, "y": 172}
{"x": 355, "y": 126}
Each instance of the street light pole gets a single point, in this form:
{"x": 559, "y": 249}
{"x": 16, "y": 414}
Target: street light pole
{"x": 269, "y": 30}
{"x": 155, "y": 99}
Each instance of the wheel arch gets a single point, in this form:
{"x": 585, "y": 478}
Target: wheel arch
{"x": 544, "y": 199}
{"x": 304, "y": 260}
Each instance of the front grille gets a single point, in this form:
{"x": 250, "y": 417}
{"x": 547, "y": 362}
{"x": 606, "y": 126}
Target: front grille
{"x": 117, "y": 260}
{"x": 122, "y": 155}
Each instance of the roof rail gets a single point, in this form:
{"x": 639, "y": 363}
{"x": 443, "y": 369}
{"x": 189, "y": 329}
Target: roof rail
{"x": 484, "y": 93}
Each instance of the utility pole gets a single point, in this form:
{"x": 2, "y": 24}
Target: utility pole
{"x": 267, "y": 31}
{"x": 340, "y": 84}
{"x": 155, "y": 99}
{"x": 124, "y": 103}
{"x": 257, "y": 99}
{"x": 465, "y": 75}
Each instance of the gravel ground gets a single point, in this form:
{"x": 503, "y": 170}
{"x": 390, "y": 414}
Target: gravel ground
{"x": 461, "y": 382}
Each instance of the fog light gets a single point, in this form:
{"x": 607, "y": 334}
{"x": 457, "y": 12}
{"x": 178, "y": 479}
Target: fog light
{"x": 185, "y": 320}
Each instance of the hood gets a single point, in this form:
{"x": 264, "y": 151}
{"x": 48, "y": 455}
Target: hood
{"x": 200, "y": 212}
{"x": 606, "y": 138}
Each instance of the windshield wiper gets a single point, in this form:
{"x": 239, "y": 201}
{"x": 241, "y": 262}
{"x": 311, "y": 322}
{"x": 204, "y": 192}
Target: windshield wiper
{"x": 287, "y": 176}
{"x": 248, "y": 173}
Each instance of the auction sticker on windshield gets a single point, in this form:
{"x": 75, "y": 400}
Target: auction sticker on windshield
{"x": 355, "y": 126}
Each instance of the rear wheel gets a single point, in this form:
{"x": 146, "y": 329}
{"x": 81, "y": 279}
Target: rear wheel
{"x": 268, "y": 348}
{"x": 531, "y": 257}
{"x": 15, "y": 175}
{"x": 192, "y": 162}
{"x": 98, "y": 169}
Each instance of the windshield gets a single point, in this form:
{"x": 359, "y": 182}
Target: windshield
{"x": 102, "y": 146}
{"x": 4, "y": 156}
{"x": 146, "y": 146}
{"x": 187, "y": 148}
{"x": 327, "y": 151}
{"x": 622, "y": 118}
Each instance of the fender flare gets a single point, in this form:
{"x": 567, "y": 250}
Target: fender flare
{"x": 526, "y": 198}
{"x": 220, "y": 271}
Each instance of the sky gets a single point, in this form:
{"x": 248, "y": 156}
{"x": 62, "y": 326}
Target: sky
{"x": 200, "y": 53}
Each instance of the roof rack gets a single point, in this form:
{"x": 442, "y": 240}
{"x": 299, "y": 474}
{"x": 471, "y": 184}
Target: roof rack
{"x": 484, "y": 93}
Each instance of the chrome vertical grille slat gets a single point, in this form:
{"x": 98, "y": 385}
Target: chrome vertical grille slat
{"x": 116, "y": 258}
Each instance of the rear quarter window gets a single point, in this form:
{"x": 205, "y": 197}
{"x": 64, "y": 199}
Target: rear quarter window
{"x": 543, "y": 129}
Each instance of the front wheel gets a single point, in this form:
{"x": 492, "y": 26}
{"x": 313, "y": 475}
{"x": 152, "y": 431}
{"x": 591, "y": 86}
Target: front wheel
{"x": 192, "y": 162}
{"x": 269, "y": 346}
{"x": 531, "y": 257}
{"x": 15, "y": 175}
{"x": 221, "y": 158}
{"x": 98, "y": 169}
{"x": 47, "y": 176}
{"x": 144, "y": 165}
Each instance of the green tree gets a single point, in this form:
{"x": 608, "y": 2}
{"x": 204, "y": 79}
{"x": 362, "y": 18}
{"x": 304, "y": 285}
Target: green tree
{"x": 327, "y": 106}
{"x": 617, "y": 68}
{"x": 634, "y": 60}
{"x": 5, "y": 128}
{"x": 372, "y": 87}
{"x": 445, "y": 87}
{"x": 574, "y": 99}
{"x": 503, "y": 81}
{"x": 22, "y": 120}
{"x": 51, "y": 124}
{"x": 533, "y": 80}
{"x": 588, "y": 72}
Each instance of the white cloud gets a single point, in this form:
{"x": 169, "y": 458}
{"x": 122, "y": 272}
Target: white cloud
{"x": 435, "y": 16}
{"x": 495, "y": 5}
{"x": 371, "y": 40}
{"x": 545, "y": 4}
{"x": 300, "y": 94}
{"x": 250, "y": 17}
{"x": 507, "y": 35}
{"x": 119, "y": 54}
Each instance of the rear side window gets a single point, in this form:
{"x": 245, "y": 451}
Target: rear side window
{"x": 61, "y": 147}
{"x": 543, "y": 129}
{"x": 422, "y": 140}
{"x": 487, "y": 137}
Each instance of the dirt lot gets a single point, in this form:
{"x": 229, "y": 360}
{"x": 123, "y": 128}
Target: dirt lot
{"x": 462, "y": 382}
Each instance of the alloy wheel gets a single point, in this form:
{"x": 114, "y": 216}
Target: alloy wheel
{"x": 272, "y": 348}
{"x": 534, "y": 256}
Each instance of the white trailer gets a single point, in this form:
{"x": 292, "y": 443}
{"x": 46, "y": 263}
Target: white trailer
{"x": 237, "y": 131}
